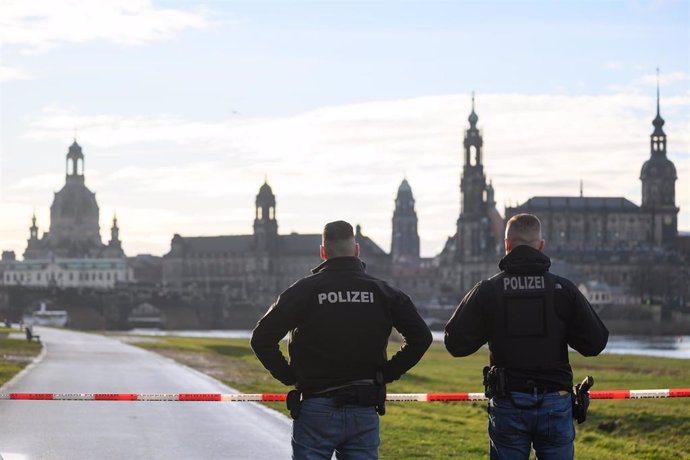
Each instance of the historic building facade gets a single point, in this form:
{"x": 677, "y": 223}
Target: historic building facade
{"x": 70, "y": 253}
{"x": 611, "y": 239}
{"x": 252, "y": 269}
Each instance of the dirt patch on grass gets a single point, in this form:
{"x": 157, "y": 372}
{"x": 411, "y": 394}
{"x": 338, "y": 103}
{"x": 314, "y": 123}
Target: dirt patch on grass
{"x": 231, "y": 371}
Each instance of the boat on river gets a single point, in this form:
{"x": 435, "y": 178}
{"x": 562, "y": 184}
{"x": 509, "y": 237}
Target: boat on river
{"x": 45, "y": 317}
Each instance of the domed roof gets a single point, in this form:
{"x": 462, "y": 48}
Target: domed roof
{"x": 75, "y": 150}
{"x": 404, "y": 187}
{"x": 265, "y": 190}
{"x": 658, "y": 123}
{"x": 658, "y": 166}
{"x": 75, "y": 201}
{"x": 473, "y": 118}
{"x": 265, "y": 196}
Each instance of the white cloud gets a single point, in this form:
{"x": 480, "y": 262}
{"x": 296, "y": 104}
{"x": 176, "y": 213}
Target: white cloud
{"x": 12, "y": 73}
{"x": 642, "y": 84}
{"x": 168, "y": 175}
{"x": 38, "y": 25}
{"x": 664, "y": 78}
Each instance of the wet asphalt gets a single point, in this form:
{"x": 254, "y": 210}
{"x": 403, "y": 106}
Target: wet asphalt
{"x": 77, "y": 362}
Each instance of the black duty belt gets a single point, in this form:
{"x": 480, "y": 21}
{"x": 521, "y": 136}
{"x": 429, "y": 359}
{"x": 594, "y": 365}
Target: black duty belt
{"x": 336, "y": 393}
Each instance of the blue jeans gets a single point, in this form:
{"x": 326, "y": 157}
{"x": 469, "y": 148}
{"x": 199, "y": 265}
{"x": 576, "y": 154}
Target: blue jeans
{"x": 324, "y": 427}
{"x": 548, "y": 428}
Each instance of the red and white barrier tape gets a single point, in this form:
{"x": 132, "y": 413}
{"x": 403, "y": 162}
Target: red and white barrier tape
{"x": 266, "y": 397}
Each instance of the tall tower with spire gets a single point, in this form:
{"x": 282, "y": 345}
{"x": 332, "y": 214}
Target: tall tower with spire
{"x": 114, "y": 247}
{"x": 405, "y": 239}
{"x": 265, "y": 223}
{"x": 33, "y": 230}
{"x": 658, "y": 177}
{"x": 33, "y": 246}
{"x": 475, "y": 241}
{"x": 74, "y": 214}
{"x": 74, "y": 220}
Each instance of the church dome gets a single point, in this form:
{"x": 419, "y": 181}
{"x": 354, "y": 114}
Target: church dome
{"x": 265, "y": 196}
{"x": 74, "y": 214}
{"x": 658, "y": 166}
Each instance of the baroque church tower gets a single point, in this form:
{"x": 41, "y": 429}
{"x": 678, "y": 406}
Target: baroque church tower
{"x": 74, "y": 227}
{"x": 658, "y": 178}
{"x": 265, "y": 224}
{"x": 405, "y": 239}
{"x": 475, "y": 240}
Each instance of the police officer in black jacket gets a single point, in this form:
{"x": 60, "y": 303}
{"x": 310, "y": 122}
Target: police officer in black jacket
{"x": 529, "y": 317}
{"x": 339, "y": 320}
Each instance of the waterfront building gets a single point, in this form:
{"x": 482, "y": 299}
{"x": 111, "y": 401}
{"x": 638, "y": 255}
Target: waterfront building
{"x": 253, "y": 268}
{"x": 70, "y": 253}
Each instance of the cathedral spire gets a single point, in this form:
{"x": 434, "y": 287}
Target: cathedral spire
{"x": 658, "y": 121}
{"x": 114, "y": 232}
{"x": 473, "y": 140}
{"x": 33, "y": 230}
{"x": 658, "y": 144}
{"x": 473, "y": 118}
{"x": 657, "y": 93}
{"x": 405, "y": 238}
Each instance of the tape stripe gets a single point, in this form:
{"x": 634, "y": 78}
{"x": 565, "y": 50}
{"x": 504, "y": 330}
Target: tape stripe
{"x": 277, "y": 397}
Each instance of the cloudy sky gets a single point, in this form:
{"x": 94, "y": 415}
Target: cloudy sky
{"x": 182, "y": 108}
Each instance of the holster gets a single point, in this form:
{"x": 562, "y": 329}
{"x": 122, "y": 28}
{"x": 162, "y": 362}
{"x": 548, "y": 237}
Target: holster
{"x": 580, "y": 398}
{"x": 294, "y": 403}
{"x": 494, "y": 382}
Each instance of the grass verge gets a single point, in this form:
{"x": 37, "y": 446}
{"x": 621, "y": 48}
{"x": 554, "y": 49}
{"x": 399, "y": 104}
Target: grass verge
{"x": 15, "y": 354}
{"x": 620, "y": 429}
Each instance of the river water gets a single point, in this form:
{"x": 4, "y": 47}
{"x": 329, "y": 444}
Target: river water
{"x": 662, "y": 346}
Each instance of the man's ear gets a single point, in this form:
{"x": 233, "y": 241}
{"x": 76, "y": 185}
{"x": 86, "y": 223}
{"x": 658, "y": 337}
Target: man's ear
{"x": 508, "y": 246}
{"x": 357, "y": 250}
{"x": 322, "y": 252}
{"x": 542, "y": 243}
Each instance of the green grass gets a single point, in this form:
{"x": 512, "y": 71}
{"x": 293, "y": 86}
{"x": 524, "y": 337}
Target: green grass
{"x": 645, "y": 429}
{"x": 15, "y": 354}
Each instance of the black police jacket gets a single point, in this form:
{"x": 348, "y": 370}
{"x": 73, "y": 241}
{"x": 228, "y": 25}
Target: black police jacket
{"x": 529, "y": 317}
{"x": 339, "y": 320}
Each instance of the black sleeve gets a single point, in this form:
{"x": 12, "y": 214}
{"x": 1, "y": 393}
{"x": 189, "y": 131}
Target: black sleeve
{"x": 276, "y": 323}
{"x": 586, "y": 332}
{"x": 466, "y": 330}
{"x": 416, "y": 337}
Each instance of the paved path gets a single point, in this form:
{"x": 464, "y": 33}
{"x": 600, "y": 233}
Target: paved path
{"x": 86, "y": 363}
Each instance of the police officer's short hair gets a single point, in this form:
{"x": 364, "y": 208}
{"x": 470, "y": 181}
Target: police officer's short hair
{"x": 524, "y": 229}
{"x": 338, "y": 239}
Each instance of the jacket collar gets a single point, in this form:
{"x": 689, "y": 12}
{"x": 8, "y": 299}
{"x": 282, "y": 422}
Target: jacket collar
{"x": 341, "y": 263}
{"x": 525, "y": 259}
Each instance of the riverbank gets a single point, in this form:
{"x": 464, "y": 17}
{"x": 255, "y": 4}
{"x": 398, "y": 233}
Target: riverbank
{"x": 617, "y": 429}
{"x": 663, "y": 346}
